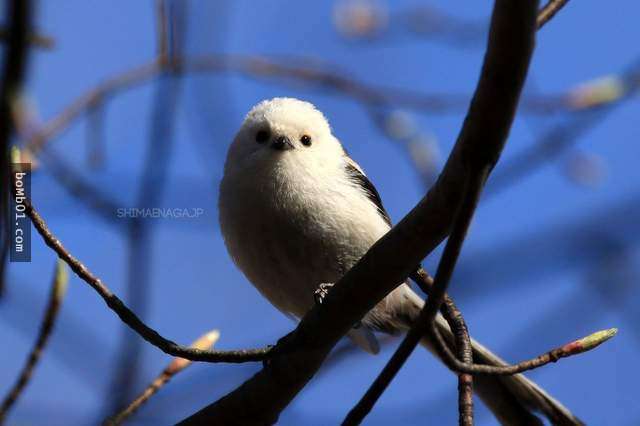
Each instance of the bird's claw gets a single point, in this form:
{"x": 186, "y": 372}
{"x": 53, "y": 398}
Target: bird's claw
{"x": 321, "y": 292}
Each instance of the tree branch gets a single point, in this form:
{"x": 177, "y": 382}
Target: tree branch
{"x": 260, "y": 399}
{"x": 573, "y": 348}
{"x": 456, "y": 321}
{"x": 549, "y": 10}
{"x": 176, "y": 366}
{"x": 437, "y": 295}
{"x": 58, "y": 290}
{"x": 428, "y": 313}
{"x": 127, "y": 316}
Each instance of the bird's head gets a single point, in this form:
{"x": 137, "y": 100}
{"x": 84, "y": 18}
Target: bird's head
{"x": 283, "y": 129}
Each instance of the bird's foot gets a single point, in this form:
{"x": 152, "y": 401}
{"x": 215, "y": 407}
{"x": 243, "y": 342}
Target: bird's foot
{"x": 321, "y": 292}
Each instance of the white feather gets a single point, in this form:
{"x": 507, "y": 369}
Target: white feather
{"x": 293, "y": 219}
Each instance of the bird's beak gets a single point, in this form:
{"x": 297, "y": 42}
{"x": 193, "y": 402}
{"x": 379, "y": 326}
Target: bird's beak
{"x": 282, "y": 143}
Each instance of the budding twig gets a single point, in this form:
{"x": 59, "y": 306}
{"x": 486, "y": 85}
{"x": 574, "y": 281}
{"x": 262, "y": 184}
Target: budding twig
{"x": 549, "y": 10}
{"x": 573, "y": 348}
{"x": 176, "y": 366}
{"x": 58, "y": 290}
{"x": 435, "y": 300}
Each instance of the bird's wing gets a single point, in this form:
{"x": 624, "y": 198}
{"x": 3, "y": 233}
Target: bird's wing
{"x": 364, "y": 337}
{"x": 357, "y": 176}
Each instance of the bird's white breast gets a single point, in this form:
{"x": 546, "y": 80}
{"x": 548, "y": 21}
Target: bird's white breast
{"x": 290, "y": 226}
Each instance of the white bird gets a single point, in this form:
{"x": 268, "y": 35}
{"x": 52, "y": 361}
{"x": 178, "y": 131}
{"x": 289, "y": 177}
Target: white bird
{"x": 297, "y": 212}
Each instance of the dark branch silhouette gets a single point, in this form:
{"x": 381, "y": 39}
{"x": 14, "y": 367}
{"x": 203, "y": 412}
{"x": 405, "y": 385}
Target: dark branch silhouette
{"x": 392, "y": 258}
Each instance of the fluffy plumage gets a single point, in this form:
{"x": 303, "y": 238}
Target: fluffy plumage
{"x": 296, "y": 211}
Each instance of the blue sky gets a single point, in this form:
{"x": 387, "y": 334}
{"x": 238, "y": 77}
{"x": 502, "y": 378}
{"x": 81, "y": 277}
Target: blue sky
{"x": 547, "y": 260}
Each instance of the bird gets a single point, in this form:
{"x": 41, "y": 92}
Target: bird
{"x": 296, "y": 212}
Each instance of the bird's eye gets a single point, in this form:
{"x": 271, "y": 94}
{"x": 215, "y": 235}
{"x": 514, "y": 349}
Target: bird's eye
{"x": 306, "y": 140}
{"x": 262, "y": 136}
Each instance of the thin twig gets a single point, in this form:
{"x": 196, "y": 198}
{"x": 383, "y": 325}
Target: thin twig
{"x": 434, "y": 301}
{"x": 465, "y": 380}
{"x": 58, "y": 290}
{"x": 573, "y": 348}
{"x": 549, "y": 10}
{"x": 261, "y": 398}
{"x": 127, "y": 316}
{"x": 176, "y": 366}
{"x": 475, "y": 183}
{"x": 456, "y": 321}
{"x": 425, "y": 322}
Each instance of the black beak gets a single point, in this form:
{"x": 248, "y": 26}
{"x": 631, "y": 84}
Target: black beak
{"x": 282, "y": 143}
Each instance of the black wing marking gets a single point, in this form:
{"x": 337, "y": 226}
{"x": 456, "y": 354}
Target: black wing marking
{"x": 358, "y": 177}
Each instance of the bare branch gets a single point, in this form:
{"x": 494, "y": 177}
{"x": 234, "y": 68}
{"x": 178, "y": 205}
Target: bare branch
{"x": 176, "y": 366}
{"x": 127, "y": 316}
{"x": 260, "y": 399}
{"x": 58, "y": 290}
{"x": 463, "y": 346}
{"x": 573, "y": 348}
{"x": 427, "y": 315}
{"x": 549, "y": 10}
{"x": 437, "y": 295}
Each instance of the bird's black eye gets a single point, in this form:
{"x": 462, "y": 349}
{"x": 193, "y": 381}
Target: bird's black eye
{"x": 262, "y": 136}
{"x": 306, "y": 140}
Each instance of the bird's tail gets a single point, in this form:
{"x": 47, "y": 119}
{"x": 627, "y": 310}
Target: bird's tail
{"x": 513, "y": 399}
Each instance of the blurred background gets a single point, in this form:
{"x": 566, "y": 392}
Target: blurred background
{"x": 553, "y": 253}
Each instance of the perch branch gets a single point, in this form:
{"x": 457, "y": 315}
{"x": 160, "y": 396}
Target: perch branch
{"x": 127, "y": 316}
{"x": 437, "y": 295}
{"x": 427, "y": 315}
{"x": 393, "y": 258}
